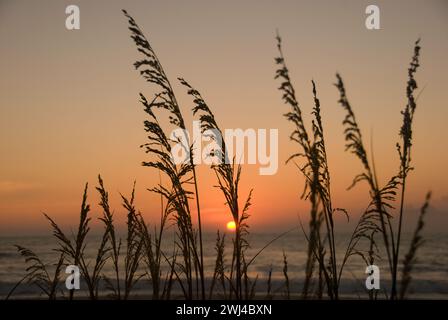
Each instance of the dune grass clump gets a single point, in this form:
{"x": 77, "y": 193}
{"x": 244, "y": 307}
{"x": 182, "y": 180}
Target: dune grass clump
{"x": 315, "y": 169}
{"x": 72, "y": 252}
{"x": 377, "y": 219}
{"x": 228, "y": 175}
{"x": 159, "y": 145}
{"x": 383, "y": 198}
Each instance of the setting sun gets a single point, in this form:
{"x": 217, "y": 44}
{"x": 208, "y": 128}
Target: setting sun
{"x": 231, "y": 225}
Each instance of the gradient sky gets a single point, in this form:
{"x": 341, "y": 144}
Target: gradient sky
{"x": 69, "y": 99}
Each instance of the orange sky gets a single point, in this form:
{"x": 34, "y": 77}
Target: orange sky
{"x": 69, "y": 99}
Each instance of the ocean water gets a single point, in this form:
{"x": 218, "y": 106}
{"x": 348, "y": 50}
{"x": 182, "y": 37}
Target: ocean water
{"x": 429, "y": 277}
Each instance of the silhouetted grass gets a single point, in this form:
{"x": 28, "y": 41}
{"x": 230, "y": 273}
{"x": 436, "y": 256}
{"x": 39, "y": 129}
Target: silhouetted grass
{"x": 383, "y": 198}
{"x": 177, "y": 195}
{"x": 312, "y": 162}
{"x": 37, "y": 274}
{"x": 416, "y": 242}
{"x": 228, "y": 175}
{"x": 184, "y": 266}
{"x": 314, "y": 166}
